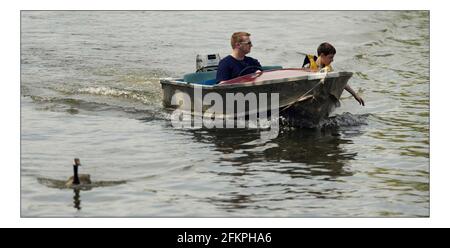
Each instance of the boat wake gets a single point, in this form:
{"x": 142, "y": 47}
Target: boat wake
{"x": 120, "y": 93}
{"x": 99, "y": 106}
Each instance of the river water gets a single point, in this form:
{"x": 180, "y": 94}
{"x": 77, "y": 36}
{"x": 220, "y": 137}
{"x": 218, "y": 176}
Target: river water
{"x": 90, "y": 89}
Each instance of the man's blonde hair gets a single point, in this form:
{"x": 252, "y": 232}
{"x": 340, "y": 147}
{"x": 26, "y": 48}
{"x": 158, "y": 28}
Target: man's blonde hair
{"x": 237, "y": 37}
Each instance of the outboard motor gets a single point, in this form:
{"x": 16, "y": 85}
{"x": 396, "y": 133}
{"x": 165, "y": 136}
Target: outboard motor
{"x": 209, "y": 62}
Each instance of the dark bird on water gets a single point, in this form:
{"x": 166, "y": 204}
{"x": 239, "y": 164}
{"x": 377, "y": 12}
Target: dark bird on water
{"x": 78, "y": 179}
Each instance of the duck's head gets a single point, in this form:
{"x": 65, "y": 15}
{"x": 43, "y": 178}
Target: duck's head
{"x": 76, "y": 162}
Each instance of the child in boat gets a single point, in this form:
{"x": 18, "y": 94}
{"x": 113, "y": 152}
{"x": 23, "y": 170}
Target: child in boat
{"x": 325, "y": 53}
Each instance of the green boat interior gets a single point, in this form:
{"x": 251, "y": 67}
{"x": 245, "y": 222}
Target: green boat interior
{"x": 209, "y": 77}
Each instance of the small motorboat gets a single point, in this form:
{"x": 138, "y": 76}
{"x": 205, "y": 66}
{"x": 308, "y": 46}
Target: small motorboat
{"x": 302, "y": 94}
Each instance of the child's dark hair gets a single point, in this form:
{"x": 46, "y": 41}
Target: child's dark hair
{"x": 326, "y": 48}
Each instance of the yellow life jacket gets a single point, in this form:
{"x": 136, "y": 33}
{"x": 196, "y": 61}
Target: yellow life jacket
{"x": 311, "y": 61}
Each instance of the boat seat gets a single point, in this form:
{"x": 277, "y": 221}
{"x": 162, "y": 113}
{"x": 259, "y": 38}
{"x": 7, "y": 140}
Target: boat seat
{"x": 272, "y": 67}
{"x": 209, "y": 77}
{"x": 199, "y": 77}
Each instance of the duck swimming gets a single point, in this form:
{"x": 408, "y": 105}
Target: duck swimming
{"x": 78, "y": 179}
